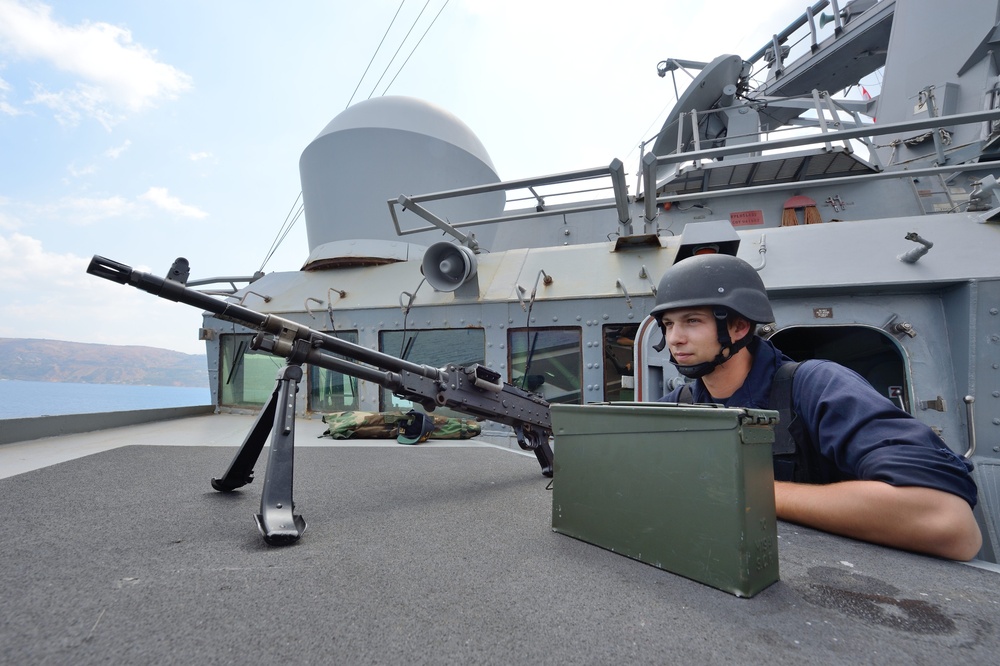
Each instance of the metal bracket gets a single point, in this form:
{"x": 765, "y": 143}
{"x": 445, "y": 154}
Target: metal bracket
{"x": 628, "y": 299}
{"x": 937, "y": 404}
{"x": 468, "y": 240}
{"x": 899, "y": 328}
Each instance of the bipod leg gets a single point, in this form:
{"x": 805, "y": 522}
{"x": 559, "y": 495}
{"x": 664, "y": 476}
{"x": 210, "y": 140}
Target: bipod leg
{"x": 240, "y": 471}
{"x": 276, "y": 521}
{"x": 536, "y": 440}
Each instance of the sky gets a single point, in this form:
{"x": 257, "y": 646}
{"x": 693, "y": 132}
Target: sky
{"x": 143, "y": 131}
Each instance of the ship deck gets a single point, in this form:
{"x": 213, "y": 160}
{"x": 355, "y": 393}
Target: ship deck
{"x": 117, "y": 550}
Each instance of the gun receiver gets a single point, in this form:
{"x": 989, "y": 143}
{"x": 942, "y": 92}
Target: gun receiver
{"x": 474, "y": 390}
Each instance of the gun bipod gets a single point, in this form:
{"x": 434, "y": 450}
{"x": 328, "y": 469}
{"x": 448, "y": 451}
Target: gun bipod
{"x": 276, "y": 521}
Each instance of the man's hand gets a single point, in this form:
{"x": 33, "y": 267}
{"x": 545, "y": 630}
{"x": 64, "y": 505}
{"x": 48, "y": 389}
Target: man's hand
{"x": 908, "y": 517}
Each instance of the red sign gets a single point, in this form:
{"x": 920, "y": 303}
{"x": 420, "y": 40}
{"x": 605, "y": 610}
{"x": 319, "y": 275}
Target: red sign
{"x": 746, "y": 218}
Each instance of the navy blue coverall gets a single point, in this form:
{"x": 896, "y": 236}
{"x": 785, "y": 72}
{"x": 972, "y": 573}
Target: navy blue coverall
{"x": 858, "y": 433}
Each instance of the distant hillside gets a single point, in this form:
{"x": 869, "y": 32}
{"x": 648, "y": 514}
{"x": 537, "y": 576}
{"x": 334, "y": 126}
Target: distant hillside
{"x": 55, "y": 361}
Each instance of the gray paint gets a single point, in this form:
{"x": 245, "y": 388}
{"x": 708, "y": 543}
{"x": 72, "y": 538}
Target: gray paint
{"x": 380, "y": 148}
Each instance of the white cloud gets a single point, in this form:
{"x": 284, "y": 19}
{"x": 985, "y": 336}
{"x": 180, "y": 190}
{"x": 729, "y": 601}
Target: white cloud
{"x": 112, "y": 153}
{"x": 69, "y": 106}
{"x": 22, "y": 259}
{"x": 115, "y": 151}
{"x": 159, "y": 197}
{"x": 88, "y": 210}
{"x": 47, "y": 295}
{"x": 78, "y": 172}
{"x": 84, "y": 210}
{"x": 5, "y": 107}
{"x": 116, "y": 75}
{"x": 203, "y": 155}
{"x": 7, "y": 222}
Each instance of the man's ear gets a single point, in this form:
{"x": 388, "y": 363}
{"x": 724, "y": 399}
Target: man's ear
{"x": 739, "y": 327}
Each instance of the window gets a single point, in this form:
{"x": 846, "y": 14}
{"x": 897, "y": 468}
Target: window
{"x": 619, "y": 375}
{"x": 547, "y": 361}
{"x": 437, "y": 348}
{"x": 246, "y": 377}
{"x": 332, "y": 391}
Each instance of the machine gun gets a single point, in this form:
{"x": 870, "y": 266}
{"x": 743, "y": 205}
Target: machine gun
{"x": 474, "y": 390}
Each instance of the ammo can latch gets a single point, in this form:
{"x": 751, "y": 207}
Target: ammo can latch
{"x": 762, "y": 417}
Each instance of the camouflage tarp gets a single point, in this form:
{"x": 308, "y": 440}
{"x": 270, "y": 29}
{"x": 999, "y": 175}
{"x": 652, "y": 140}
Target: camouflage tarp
{"x": 386, "y": 425}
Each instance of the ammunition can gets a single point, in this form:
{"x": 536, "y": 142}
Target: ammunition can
{"x": 688, "y": 489}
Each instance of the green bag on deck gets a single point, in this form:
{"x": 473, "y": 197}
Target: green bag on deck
{"x": 410, "y": 428}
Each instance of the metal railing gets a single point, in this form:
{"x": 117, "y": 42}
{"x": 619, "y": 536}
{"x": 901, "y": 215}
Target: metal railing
{"x": 651, "y": 162}
{"x": 615, "y": 171}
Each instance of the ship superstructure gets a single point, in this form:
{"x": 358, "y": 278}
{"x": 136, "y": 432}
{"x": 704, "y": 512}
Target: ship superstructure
{"x": 872, "y": 223}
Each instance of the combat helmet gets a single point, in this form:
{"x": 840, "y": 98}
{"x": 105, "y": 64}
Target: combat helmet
{"x": 722, "y": 282}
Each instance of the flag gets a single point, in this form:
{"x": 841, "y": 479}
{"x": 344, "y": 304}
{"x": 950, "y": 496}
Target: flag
{"x": 867, "y": 97}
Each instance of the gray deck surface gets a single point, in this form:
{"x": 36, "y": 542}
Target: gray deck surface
{"x": 425, "y": 555}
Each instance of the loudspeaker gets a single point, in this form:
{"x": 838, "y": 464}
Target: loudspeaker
{"x": 824, "y": 19}
{"x": 448, "y": 266}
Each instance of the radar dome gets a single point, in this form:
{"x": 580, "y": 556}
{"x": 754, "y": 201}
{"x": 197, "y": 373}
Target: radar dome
{"x": 381, "y": 148}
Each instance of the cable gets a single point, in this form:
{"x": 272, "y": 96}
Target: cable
{"x": 415, "y": 47}
{"x": 407, "y": 36}
{"x": 406, "y": 313}
{"x": 282, "y": 234}
{"x": 285, "y": 228}
{"x": 375, "y": 54}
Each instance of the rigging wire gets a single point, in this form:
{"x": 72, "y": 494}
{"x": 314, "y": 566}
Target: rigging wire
{"x": 403, "y": 351}
{"x": 376, "y": 53}
{"x": 286, "y": 226}
{"x": 407, "y": 36}
{"x": 640, "y": 145}
{"x": 415, "y": 47}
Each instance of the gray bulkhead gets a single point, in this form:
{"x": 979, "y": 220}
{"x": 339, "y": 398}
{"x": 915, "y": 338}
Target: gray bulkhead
{"x": 580, "y": 298}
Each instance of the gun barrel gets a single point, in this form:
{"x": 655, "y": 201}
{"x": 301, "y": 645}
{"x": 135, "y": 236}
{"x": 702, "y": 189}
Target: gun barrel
{"x": 473, "y": 390}
{"x": 286, "y": 330}
{"x": 174, "y": 291}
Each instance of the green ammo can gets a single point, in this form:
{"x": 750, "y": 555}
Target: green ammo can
{"x": 688, "y": 489}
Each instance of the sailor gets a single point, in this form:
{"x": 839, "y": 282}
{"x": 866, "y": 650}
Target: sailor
{"x": 859, "y": 466}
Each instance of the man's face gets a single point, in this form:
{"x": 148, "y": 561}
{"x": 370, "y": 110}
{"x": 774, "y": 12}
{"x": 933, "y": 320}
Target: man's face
{"x": 692, "y": 335}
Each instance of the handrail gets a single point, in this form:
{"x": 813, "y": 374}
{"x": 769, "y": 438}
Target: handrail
{"x": 651, "y": 162}
{"x": 787, "y": 32}
{"x": 523, "y": 183}
{"x": 614, "y": 171}
{"x": 819, "y": 101}
{"x": 837, "y": 180}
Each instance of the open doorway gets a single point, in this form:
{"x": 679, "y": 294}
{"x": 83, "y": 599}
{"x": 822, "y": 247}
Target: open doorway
{"x": 868, "y": 351}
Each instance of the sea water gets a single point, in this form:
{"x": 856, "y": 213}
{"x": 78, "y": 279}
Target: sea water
{"x": 21, "y": 399}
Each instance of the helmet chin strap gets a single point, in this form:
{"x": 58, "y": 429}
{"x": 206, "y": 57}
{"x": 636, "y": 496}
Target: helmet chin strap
{"x": 728, "y": 350}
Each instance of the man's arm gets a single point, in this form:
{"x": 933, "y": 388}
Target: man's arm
{"x": 908, "y": 517}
